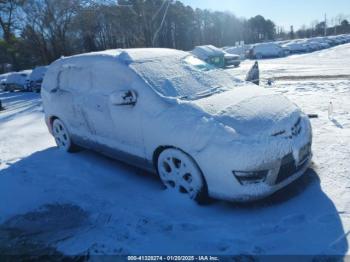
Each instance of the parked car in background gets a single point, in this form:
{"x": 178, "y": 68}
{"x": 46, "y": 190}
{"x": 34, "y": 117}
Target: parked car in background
{"x": 313, "y": 45}
{"x": 322, "y": 42}
{"x": 296, "y": 47}
{"x": 266, "y": 50}
{"x": 3, "y": 78}
{"x": 36, "y": 78}
{"x": 232, "y": 60}
{"x": 337, "y": 39}
{"x": 199, "y": 124}
{"x": 2, "y": 84}
{"x": 238, "y": 50}
{"x": 18, "y": 81}
{"x": 210, "y": 54}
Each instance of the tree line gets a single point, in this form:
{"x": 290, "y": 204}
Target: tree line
{"x": 37, "y": 32}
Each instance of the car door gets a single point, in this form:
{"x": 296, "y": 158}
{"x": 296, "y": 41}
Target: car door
{"x": 116, "y": 127}
{"x": 70, "y": 96}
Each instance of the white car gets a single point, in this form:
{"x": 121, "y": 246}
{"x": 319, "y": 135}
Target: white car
{"x": 3, "y": 78}
{"x": 232, "y": 60}
{"x": 203, "y": 131}
{"x": 18, "y": 81}
{"x": 297, "y": 47}
{"x": 266, "y": 50}
{"x": 36, "y": 79}
{"x": 2, "y": 84}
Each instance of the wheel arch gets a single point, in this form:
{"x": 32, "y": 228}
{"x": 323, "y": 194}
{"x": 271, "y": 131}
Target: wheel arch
{"x": 50, "y": 120}
{"x": 157, "y": 152}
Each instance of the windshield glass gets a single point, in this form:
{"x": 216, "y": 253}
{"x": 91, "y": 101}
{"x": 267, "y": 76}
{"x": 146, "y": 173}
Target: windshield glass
{"x": 184, "y": 77}
{"x": 197, "y": 63}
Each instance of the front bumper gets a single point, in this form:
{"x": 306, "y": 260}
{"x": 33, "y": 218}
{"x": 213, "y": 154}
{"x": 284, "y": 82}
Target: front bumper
{"x": 278, "y": 177}
{"x": 285, "y": 159}
{"x": 282, "y": 177}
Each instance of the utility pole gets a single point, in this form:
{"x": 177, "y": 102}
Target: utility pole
{"x": 325, "y": 24}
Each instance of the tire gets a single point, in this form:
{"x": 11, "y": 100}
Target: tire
{"x": 62, "y": 137}
{"x": 179, "y": 172}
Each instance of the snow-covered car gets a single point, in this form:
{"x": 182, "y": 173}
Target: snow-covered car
{"x": 321, "y": 41}
{"x": 237, "y": 50}
{"x": 36, "y": 78}
{"x": 3, "y": 78}
{"x": 297, "y": 47}
{"x": 210, "y": 54}
{"x": 232, "y": 60}
{"x": 2, "y": 84}
{"x": 314, "y": 46}
{"x": 203, "y": 131}
{"x": 265, "y": 50}
{"x": 18, "y": 81}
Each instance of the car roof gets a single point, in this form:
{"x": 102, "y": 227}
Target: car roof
{"x": 127, "y": 56}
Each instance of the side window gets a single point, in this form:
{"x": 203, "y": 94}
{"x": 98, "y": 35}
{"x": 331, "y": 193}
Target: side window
{"x": 74, "y": 78}
{"x": 107, "y": 77}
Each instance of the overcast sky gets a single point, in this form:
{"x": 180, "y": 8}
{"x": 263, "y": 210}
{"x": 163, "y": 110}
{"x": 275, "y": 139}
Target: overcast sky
{"x": 283, "y": 12}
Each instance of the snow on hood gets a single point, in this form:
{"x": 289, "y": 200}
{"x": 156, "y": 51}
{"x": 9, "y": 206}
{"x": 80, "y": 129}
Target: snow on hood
{"x": 251, "y": 111}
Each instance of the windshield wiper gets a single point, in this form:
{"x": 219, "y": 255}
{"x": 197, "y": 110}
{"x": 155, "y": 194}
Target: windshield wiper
{"x": 204, "y": 94}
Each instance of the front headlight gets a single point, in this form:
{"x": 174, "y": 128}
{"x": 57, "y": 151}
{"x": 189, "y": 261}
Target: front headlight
{"x": 249, "y": 178}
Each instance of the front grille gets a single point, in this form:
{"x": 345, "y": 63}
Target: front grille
{"x": 289, "y": 166}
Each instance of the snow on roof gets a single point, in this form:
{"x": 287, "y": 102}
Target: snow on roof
{"x": 206, "y": 51}
{"x": 130, "y": 55}
{"x": 170, "y": 72}
{"x": 145, "y": 54}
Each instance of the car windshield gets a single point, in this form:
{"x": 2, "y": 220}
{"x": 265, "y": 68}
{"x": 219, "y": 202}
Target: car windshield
{"x": 197, "y": 63}
{"x": 184, "y": 77}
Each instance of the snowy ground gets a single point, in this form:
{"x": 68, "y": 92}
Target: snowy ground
{"x": 333, "y": 63}
{"x": 86, "y": 203}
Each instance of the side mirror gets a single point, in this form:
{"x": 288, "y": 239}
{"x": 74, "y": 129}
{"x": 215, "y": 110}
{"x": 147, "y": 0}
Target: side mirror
{"x": 124, "y": 98}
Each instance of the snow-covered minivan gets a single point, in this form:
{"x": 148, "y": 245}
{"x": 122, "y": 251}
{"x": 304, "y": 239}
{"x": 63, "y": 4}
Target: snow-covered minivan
{"x": 203, "y": 131}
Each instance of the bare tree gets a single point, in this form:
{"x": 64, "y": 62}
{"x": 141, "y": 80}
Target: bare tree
{"x": 48, "y": 26}
{"x": 8, "y": 17}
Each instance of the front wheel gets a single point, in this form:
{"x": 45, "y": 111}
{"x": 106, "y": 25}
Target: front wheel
{"x": 62, "y": 137}
{"x": 179, "y": 172}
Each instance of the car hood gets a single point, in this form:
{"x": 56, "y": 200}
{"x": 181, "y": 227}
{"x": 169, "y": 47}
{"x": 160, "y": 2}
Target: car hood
{"x": 252, "y": 111}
